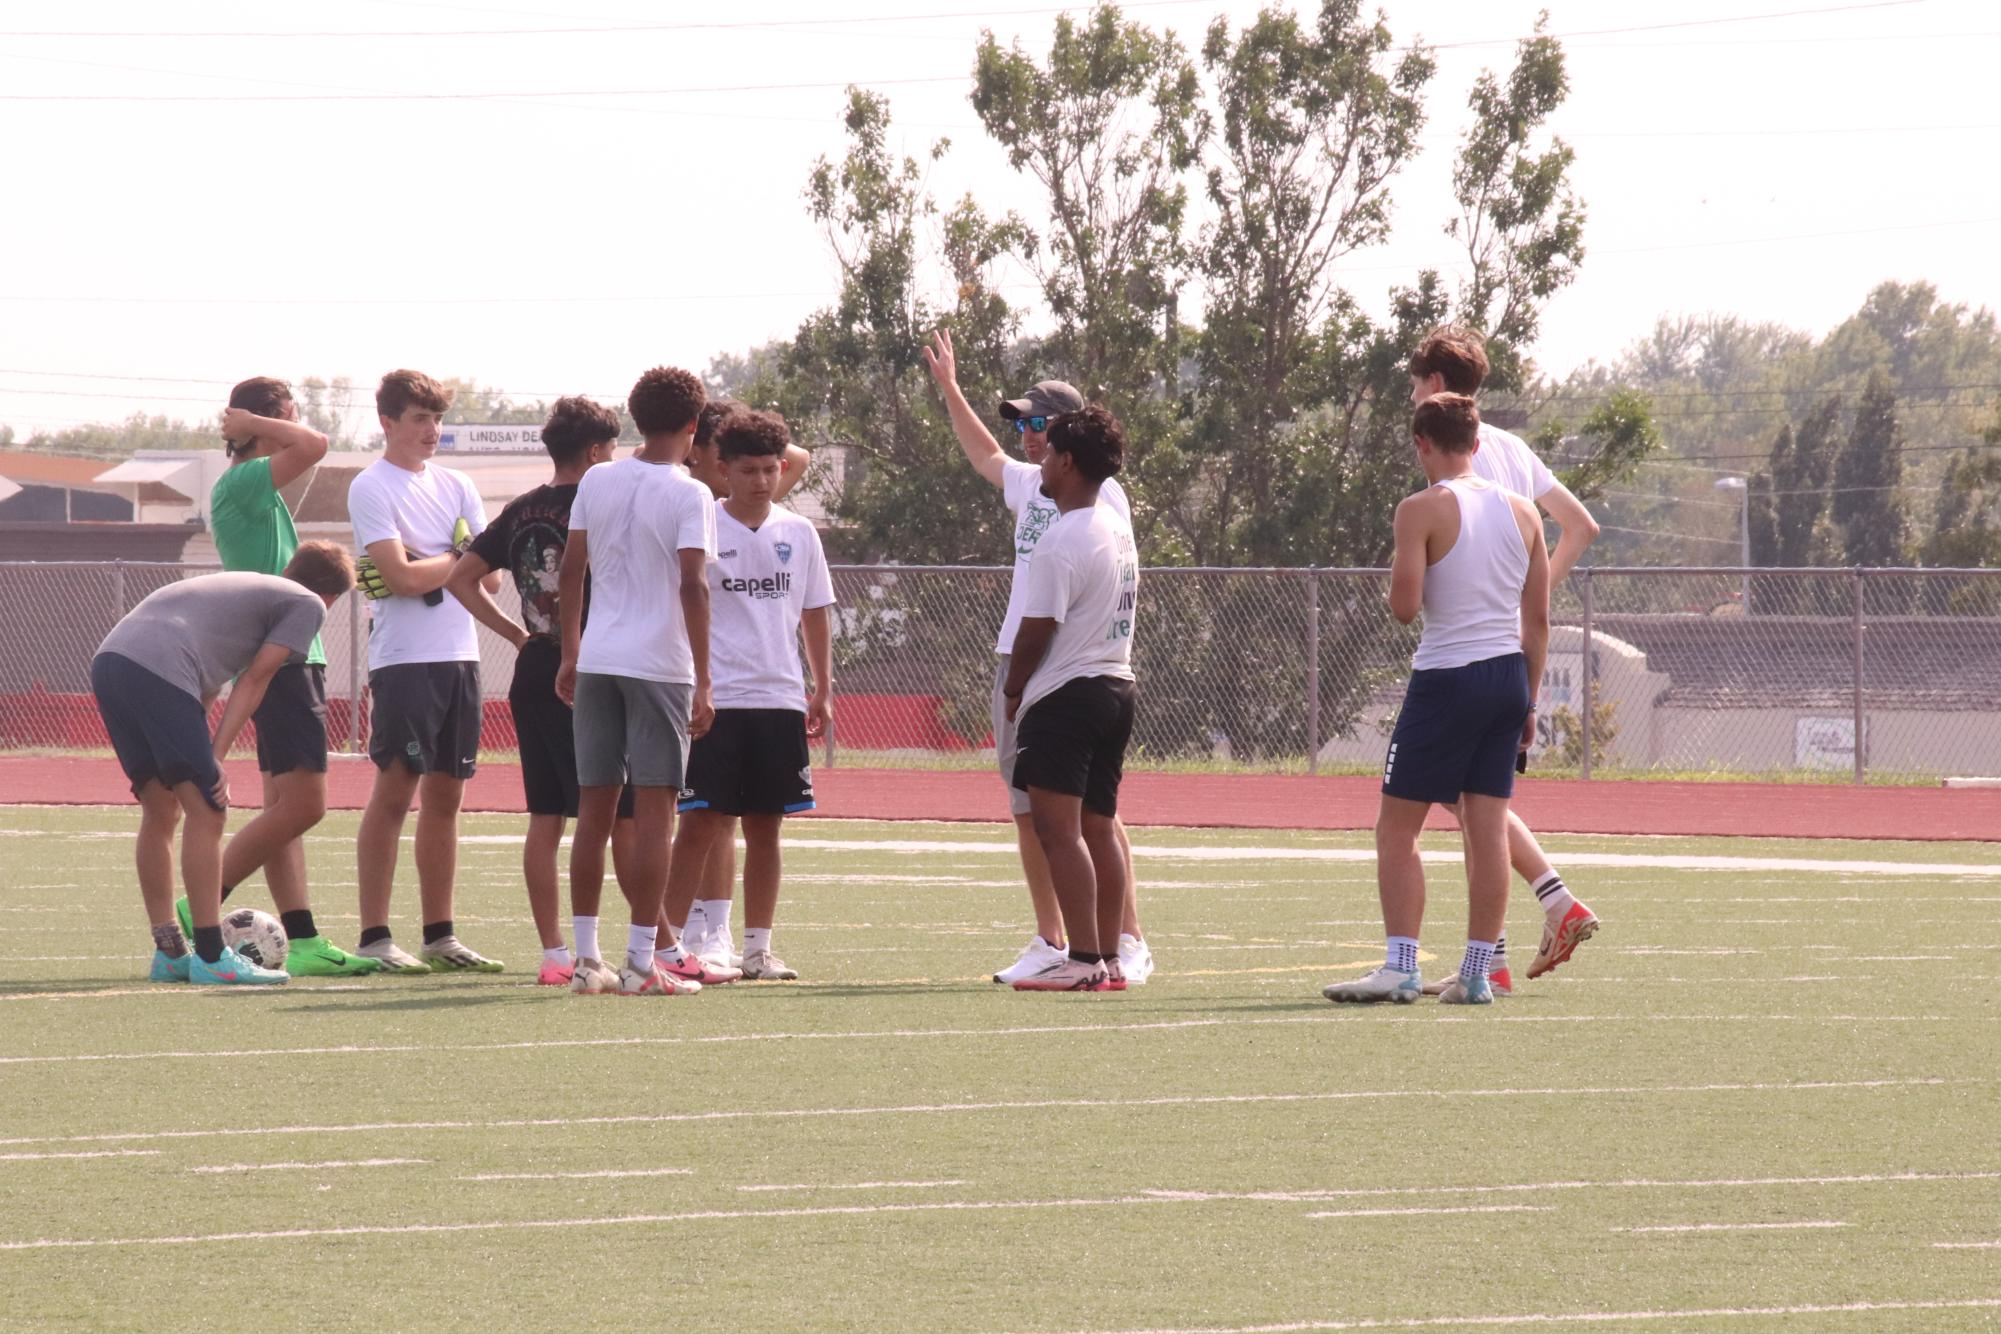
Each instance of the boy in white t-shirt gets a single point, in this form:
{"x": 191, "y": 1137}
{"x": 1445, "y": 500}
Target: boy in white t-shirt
{"x": 768, "y": 587}
{"x": 1454, "y": 360}
{"x": 1034, "y": 513}
{"x": 1069, "y": 690}
{"x": 413, "y": 518}
{"x": 638, "y": 675}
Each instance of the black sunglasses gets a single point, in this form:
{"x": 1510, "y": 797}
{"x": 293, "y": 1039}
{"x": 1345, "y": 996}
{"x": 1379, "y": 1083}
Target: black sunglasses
{"x": 1024, "y": 425}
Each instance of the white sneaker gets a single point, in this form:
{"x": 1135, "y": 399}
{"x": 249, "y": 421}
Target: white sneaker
{"x": 1136, "y": 959}
{"x": 1066, "y": 974}
{"x": 1385, "y": 984}
{"x": 655, "y": 981}
{"x": 593, "y": 978}
{"x": 764, "y": 966}
{"x": 394, "y": 958}
{"x": 1037, "y": 955}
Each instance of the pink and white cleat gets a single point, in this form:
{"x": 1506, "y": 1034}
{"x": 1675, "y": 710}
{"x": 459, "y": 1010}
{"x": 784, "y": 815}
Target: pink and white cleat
{"x": 555, "y": 974}
{"x": 694, "y": 968}
{"x": 659, "y": 982}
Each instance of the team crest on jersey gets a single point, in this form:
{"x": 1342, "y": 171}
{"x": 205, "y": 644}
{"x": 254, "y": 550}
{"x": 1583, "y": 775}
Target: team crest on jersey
{"x": 783, "y": 551}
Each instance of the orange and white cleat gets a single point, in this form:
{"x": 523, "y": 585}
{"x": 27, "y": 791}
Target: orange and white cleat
{"x": 1561, "y": 939}
{"x": 656, "y": 982}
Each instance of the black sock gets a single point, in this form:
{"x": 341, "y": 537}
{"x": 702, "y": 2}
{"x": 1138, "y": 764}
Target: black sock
{"x": 298, "y": 923}
{"x": 227, "y": 890}
{"x": 371, "y": 934}
{"x": 169, "y": 940}
{"x": 437, "y": 931}
{"x": 208, "y": 943}
{"x": 1085, "y": 956}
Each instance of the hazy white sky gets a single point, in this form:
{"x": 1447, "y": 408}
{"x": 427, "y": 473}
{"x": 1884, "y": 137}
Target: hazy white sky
{"x": 278, "y": 205}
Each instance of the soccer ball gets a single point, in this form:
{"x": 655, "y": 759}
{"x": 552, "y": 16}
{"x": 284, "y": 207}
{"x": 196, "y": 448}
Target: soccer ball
{"x": 257, "y": 936}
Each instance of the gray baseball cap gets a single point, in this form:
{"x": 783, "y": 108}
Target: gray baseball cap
{"x": 1045, "y": 400}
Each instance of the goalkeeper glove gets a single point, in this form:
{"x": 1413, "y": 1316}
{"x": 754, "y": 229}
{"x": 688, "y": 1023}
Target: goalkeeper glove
{"x": 369, "y": 580}
{"x": 461, "y": 542}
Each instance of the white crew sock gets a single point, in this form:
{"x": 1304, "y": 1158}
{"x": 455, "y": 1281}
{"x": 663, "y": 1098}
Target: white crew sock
{"x": 1500, "y": 960}
{"x": 697, "y": 927}
{"x": 676, "y": 949}
{"x": 1553, "y": 897}
{"x": 1402, "y": 954}
{"x": 639, "y": 947}
{"x": 716, "y": 913}
{"x": 586, "y": 929}
{"x": 756, "y": 938}
{"x": 1479, "y": 955}
{"x": 560, "y": 956}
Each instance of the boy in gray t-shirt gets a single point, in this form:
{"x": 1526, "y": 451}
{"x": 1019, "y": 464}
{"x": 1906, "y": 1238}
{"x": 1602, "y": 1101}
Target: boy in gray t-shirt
{"x": 154, "y": 676}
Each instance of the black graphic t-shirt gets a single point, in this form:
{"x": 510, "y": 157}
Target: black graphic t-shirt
{"x": 527, "y": 541}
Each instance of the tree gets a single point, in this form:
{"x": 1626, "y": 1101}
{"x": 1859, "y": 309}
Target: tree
{"x": 1789, "y": 498}
{"x": 99, "y": 440}
{"x": 325, "y": 406}
{"x": 1868, "y": 474}
{"x": 1966, "y": 526}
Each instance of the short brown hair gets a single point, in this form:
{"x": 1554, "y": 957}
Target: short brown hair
{"x": 665, "y": 400}
{"x": 1449, "y": 422}
{"x": 575, "y": 425}
{"x": 712, "y": 416}
{"x": 264, "y": 395}
{"x": 323, "y": 567}
{"x": 1456, "y": 354}
{"x": 401, "y": 390}
{"x": 1093, "y": 439}
{"x": 746, "y": 433}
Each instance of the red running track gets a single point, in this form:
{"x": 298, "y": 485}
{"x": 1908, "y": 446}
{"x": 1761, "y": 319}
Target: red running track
{"x": 1254, "y": 801}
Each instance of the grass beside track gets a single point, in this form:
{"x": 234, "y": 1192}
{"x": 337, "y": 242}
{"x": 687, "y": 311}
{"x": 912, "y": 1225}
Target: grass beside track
{"x": 1767, "y": 1090}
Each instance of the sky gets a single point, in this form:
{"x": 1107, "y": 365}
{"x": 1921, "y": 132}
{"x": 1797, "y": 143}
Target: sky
{"x": 188, "y": 198}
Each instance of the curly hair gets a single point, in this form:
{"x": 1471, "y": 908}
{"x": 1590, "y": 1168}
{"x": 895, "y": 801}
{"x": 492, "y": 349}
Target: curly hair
{"x": 1448, "y": 422}
{"x": 747, "y": 432}
{"x": 576, "y": 424}
{"x": 1456, "y": 354}
{"x": 402, "y": 390}
{"x": 665, "y": 400}
{"x": 1093, "y": 438}
{"x": 714, "y": 413}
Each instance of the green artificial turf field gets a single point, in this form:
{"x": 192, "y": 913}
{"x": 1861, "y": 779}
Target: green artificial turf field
{"x": 1769, "y": 1089}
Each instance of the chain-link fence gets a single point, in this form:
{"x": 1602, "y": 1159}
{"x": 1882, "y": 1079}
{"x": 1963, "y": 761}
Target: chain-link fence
{"x": 1776, "y": 673}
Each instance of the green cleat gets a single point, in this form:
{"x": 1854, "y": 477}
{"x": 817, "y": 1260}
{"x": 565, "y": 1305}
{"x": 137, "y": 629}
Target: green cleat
{"x": 316, "y": 956}
{"x": 169, "y": 970}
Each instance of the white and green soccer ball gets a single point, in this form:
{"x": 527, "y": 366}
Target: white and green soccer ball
{"x": 257, "y": 936}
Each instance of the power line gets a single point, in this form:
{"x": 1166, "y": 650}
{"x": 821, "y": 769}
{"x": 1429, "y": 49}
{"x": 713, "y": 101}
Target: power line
{"x": 1661, "y": 532}
{"x": 493, "y": 96}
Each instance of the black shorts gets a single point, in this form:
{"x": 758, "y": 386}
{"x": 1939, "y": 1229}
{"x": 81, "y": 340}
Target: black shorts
{"x": 1458, "y": 731}
{"x": 545, "y": 730}
{"x": 159, "y": 731}
{"x": 425, "y": 714}
{"x": 751, "y": 762}
{"x": 291, "y": 721}
{"x": 1073, "y": 740}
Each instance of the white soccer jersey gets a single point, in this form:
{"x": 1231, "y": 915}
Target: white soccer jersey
{"x": 1506, "y": 460}
{"x": 1086, "y": 578}
{"x": 419, "y": 509}
{"x": 637, "y": 518}
{"x": 1034, "y": 513}
{"x": 762, "y": 583}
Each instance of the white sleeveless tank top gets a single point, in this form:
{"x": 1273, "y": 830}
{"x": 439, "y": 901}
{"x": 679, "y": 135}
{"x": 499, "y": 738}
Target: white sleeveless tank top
{"x": 1473, "y": 597}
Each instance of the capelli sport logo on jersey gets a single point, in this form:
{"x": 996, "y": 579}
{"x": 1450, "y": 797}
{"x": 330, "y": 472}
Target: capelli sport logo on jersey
{"x": 772, "y": 586}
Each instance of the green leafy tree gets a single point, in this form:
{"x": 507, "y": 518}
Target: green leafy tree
{"x": 1868, "y": 474}
{"x": 1966, "y": 525}
{"x": 1789, "y": 498}
{"x": 327, "y": 407}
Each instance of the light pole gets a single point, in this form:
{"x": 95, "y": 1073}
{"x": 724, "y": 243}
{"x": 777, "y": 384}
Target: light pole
{"x": 1743, "y": 489}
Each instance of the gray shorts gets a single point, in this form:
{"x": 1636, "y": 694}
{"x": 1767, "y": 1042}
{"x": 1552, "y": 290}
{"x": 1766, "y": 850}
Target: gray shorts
{"x": 631, "y": 730}
{"x": 1017, "y": 800}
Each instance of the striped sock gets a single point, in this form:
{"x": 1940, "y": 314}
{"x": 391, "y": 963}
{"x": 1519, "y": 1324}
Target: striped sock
{"x": 1500, "y": 961}
{"x": 1553, "y": 897}
{"x": 1479, "y": 955}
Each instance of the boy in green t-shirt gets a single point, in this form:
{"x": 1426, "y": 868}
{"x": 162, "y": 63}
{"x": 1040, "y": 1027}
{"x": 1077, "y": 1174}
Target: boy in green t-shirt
{"x": 269, "y": 449}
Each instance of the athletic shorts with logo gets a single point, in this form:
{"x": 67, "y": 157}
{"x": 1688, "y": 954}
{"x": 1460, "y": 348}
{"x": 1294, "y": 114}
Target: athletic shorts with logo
{"x": 291, "y": 721}
{"x": 1459, "y": 731}
{"x": 425, "y": 716}
{"x": 751, "y": 762}
{"x": 1073, "y": 740}
{"x": 631, "y": 730}
{"x": 545, "y": 731}
{"x": 1004, "y": 740}
{"x": 158, "y": 730}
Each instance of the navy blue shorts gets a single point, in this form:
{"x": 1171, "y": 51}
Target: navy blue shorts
{"x": 1459, "y": 730}
{"x": 159, "y": 730}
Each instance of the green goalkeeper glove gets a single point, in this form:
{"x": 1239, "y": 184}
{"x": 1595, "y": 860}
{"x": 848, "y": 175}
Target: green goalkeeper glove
{"x": 369, "y": 580}
{"x": 461, "y": 542}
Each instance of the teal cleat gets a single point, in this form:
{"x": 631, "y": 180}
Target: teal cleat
{"x": 1385, "y": 984}
{"x": 170, "y": 970}
{"x": 1480, "y": 991}
{"x": 233, "y": 969}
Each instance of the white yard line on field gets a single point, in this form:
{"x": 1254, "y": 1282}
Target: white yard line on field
{"x": 1628, "y": 1183}
{"x": 95, "y": 1153}
{"x": 1682, "y": 1228}
{"x": 310, "y": 1167}
{"x": 1569, "y": 1317}
{"x": 855, "y": 1185}
{"x": 582, "y": 1176}
{"x": 1025, "y": 1105}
